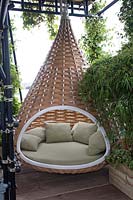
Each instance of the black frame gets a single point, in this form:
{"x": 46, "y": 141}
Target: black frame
{"x": 9, "y": 161}
{"x": 41, "y": 6}
{"x": 7, "y": 123}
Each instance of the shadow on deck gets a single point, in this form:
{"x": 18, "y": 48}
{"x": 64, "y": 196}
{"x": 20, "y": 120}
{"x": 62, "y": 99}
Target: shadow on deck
{"x": 33, "y": 185}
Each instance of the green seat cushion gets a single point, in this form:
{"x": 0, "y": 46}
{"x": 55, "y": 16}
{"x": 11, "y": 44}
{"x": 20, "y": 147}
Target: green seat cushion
{"x": 38, "y": 131}
{"x": 58, "y": 132}
{"x": 96, "y": 144}
{"x": 64, "y": 153}
{"x": 30, "y": 142}
{"x": 81, "y": 132}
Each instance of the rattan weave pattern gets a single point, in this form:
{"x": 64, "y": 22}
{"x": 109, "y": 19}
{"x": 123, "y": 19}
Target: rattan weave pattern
{"x": 60, "y": 116}
{"x": 57, "y": 80}
{"x": 70, "y": 171}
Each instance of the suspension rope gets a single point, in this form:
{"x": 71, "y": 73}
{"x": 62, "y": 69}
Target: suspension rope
{"x": 64, "y": 9}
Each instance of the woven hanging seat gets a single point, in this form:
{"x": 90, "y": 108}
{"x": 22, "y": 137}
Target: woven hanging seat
{"x": 53, "y": 97}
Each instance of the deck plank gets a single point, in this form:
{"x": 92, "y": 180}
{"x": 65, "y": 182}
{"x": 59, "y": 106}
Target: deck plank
{"x": 107, "y": 192}
{"x": 36, "y": 185}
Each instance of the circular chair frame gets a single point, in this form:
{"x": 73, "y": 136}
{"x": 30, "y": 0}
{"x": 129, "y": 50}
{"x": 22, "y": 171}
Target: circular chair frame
{"x": 63, "y": 169}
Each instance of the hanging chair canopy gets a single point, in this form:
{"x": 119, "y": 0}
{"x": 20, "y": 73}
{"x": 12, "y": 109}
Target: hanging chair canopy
{"x": 57, "y": 81}
{"x": 54, "y": 97}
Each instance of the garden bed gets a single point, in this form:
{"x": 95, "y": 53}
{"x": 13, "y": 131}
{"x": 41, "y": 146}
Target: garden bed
{"x": 122, "y": 178}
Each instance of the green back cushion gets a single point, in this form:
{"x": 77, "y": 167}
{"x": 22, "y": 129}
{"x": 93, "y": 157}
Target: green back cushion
{"x": 38, "y": 131}
{"x": 58, "y": 132}
{"x": 81, "y": 132}
{"x": 96, "y": 144}
{"x": 30, "y": 142}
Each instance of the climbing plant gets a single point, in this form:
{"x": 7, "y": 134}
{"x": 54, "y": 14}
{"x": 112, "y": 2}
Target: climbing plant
{"x": 95, "y": 34}
{"x": 15, "y": 77}
{"x": 16, "y": 85}
{"x": 52, "y": 26}
{"x": 126, "y": 16}
{"x": 30, "y": 20}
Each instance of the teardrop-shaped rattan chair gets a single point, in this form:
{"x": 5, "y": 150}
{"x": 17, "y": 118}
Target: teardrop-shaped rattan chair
{"x": 54, "y": 97}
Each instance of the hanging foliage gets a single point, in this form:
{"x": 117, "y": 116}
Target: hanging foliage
{"x": 32, "y": 19}
{"x": 95, "y": 34}
{"x": 126, "y": 17}
{"x": 52, "y": 26}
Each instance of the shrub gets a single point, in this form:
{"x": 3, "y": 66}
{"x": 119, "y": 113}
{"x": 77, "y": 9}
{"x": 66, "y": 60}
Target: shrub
{"x": 109, "y": 82}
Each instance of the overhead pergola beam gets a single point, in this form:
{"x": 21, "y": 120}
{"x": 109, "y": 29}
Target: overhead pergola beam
{"x": 107, "y": 7}
{"x": 75, "y": 8}
{"x": 79, "y": 9}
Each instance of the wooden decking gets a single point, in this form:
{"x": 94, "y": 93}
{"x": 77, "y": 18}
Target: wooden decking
{"x": 33, "y": 185}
